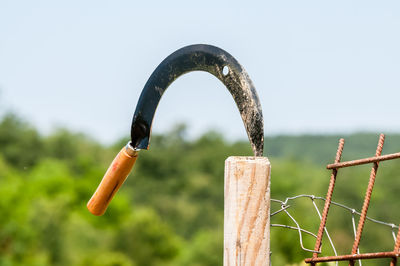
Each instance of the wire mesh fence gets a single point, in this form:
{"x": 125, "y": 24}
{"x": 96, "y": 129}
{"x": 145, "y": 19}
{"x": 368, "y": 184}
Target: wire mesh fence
{"x": 357, "y": 230}
{"x": 284, "y": 209}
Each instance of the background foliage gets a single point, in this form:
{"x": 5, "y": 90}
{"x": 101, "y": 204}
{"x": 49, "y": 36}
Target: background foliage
{"x": 170, "y": 210}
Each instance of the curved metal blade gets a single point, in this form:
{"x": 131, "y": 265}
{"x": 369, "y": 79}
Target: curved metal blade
{"x": 204, "y": 58}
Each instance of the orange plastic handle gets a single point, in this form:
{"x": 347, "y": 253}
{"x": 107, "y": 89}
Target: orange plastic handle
{"x": 112, "y": 180}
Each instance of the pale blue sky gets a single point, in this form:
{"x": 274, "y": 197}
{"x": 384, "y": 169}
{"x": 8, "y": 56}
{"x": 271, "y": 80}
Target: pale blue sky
{"x": 318, "y": 66}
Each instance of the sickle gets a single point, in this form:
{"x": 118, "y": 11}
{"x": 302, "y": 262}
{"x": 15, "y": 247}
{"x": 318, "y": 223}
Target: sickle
{"x": 190, "y": 58}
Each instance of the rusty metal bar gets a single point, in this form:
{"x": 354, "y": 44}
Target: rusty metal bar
{"x": 393, "y": 262}
{"x": 367, "y": 198}
{"x": 397, "y": 244}
{"x": 364, "y": 161}
{"x": 328, "y": 200}
{"x": 351, "y": 257}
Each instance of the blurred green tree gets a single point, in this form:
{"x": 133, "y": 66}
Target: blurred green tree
{"x": 170, "y": 211}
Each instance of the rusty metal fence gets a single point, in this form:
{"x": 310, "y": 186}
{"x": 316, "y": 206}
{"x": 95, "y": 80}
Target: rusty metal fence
{"x": 355, "y": 254}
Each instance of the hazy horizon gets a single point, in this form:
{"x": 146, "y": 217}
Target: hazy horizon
{"x": 189, "y": 134}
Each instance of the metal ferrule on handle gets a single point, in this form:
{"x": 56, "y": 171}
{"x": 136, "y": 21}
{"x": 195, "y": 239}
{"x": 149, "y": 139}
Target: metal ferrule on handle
{"x": 113, "y": 179}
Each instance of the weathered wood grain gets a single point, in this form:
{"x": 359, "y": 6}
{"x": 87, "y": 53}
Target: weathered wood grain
{"x": 246, "y": 213}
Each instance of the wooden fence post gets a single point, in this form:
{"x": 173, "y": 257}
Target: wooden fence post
{"x": 246, "y": 211}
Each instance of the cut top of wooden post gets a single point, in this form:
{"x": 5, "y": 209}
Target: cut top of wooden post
{"x": 246, "y": 211}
